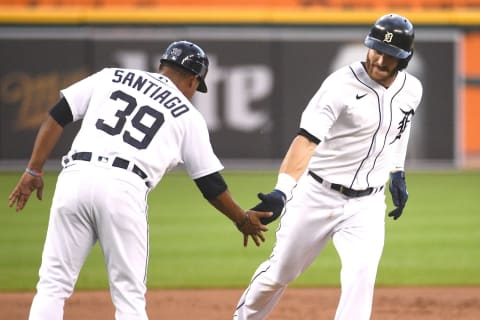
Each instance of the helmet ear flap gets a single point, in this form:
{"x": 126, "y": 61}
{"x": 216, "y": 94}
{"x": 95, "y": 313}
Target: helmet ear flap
{"x": 403, "y": 63}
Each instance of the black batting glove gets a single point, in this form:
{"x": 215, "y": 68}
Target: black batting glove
{"x": 398, "y": 190}
{"x": 274, "y": 202}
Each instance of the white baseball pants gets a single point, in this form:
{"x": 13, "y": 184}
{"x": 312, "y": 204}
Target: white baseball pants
{"x": 313, "y": 216}
{"x": 95, "y": 203}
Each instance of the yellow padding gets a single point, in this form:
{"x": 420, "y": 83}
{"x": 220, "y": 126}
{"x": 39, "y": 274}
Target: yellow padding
{"x": 191, "y": 15}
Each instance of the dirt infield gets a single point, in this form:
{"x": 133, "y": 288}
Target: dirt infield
{"x": 297, "y": 304}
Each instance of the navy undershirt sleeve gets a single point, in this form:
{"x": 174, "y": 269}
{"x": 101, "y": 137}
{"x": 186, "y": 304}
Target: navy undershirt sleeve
{"x": 309, "y": 136}
{"x": 211, "y": 185}
{"x": 61, "y": 112}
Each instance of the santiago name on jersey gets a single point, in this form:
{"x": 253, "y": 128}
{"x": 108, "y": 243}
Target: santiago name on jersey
{"x": 141, "y": 117}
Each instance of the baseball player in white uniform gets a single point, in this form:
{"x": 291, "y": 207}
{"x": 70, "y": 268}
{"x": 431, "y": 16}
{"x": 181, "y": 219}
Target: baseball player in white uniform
{"x": 353, "y": 136}
{"x": 136, "y": 127}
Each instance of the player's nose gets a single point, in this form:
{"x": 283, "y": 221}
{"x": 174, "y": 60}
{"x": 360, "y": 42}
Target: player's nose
{"x": 381, "y": 59}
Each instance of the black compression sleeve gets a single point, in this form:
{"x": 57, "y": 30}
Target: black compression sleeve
{"x": 309, "y": 136}
{"x": 211, "y": 186}
{"x": 61, "y": 112}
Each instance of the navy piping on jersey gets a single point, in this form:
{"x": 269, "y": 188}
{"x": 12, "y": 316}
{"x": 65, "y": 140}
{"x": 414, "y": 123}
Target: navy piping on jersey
{"x": 159, "y": 78}
{"x": 389, "y": 126}
{"x": 374, "y": 135}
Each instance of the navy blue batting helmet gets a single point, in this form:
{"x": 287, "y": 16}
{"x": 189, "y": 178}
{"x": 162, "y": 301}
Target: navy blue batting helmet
{"x": 190, "y": 57}
{"x": 393, "y": 35}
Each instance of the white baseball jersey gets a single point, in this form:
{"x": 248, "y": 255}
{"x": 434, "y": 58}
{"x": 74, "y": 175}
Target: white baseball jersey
{"x": 141, "y": 117}
{"x": 363, "y": 126}
{"x": 136, "y": 126}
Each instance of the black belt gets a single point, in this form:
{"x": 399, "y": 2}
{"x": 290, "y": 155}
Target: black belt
{"x": 117, "y": 162}
{"x": 344, "y": 190}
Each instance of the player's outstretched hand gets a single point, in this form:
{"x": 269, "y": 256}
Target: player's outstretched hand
{"x": 274, "y": 202}
{"x": 24, "y": 189}
{"x": 251, "y": 226}
{"x": 398, "y": 190}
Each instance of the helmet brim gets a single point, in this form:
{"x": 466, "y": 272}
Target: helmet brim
{"x": 386, "y": 48}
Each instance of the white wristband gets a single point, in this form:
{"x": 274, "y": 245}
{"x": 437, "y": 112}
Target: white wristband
{"x": 285, "y": 183}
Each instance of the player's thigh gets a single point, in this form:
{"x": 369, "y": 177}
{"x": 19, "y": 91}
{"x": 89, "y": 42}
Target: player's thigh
{"x": 359, "y": 239}
{"x": 70, "y": 234}
{"x": 122, "y": 226}
{"x": 304, "y": 230}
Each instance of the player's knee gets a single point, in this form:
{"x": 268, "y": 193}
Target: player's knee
{"x": 360, "y": 272}
{"x": 55, "y": 288}
{"x": 275, "y": 275}
{"x": 278, "y": 280}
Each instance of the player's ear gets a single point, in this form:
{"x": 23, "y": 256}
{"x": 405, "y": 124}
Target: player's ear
{"x": 193, "y": 82}
{"x": 188, "y": 86}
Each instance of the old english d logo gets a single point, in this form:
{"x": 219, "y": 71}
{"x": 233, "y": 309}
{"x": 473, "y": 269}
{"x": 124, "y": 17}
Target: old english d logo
{"x": 402, "y": 125}
{"x": 388, "y": 37}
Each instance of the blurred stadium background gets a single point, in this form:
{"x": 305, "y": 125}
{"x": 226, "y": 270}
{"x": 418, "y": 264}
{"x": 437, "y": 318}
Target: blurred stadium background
{"x": 267, "y": 59}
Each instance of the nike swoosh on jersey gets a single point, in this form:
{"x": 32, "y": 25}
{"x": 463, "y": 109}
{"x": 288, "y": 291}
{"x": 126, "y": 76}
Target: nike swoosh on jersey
{"x": 360, "y": 96}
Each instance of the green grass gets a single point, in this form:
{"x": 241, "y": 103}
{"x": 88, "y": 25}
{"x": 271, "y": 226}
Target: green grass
{"x": 435, "y": 242}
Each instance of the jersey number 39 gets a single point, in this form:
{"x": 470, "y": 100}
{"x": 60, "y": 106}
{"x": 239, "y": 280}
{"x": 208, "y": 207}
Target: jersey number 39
{"x": 148, "y": 131}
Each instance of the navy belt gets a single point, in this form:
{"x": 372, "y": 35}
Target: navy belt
{"x": 352, "y": 193}
{"x": 117, "y": 162}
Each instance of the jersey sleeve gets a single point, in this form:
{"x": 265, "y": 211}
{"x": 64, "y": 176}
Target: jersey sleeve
{"x": 417, "y": 91}
{"x": 78, "y": 95}
{"x": 321, "y": 112}
{"x": 400, "y": 151}
{"x": 197, "y": 151}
